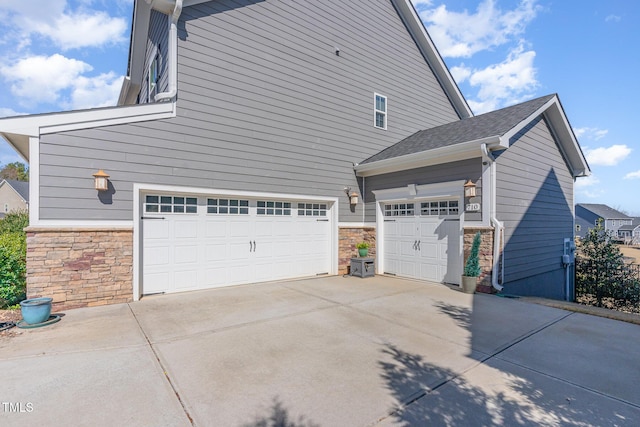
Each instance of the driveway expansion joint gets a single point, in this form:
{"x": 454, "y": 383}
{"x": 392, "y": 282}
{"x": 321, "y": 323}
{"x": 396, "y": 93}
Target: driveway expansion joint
{"x": 164, "y": 368}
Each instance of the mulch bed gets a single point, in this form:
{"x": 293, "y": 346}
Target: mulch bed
{"x": 9, "y": 317}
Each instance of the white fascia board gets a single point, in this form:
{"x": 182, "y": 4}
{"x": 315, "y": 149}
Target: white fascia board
{"x": 40, "y": 124}
{"x": 451, "y": 153}
{"x": 17, "y": 130}
{"x": 139, "y": 34}
{"x": 563, "y": 132}
{"x": 413, "y": 22}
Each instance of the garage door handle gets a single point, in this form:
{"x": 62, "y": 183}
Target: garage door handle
{"x": 151, "y": 217}
{"x": 254, "y": 246}
{"x": 419, "y": 245}
{"x": 415, "y": 245}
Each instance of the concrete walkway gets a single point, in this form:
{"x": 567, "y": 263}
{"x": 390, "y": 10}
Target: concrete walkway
{"x": 331, "y": 351}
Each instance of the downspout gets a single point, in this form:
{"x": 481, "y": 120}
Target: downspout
{"x": 497, "y": 225}
{"x": 173, "y": 55}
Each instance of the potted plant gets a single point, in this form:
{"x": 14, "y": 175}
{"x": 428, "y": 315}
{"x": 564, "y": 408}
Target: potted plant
{"x": 363, "y": 249}
{"x": 36, "y": 310}
{"x": 472, "y": 267}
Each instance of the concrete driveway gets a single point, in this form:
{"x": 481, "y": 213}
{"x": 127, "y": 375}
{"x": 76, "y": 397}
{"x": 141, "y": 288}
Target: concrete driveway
{"x": 333, "y": 351}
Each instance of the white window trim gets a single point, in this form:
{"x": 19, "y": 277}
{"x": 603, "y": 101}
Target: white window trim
{"x": 152, "y": 86}
{"x": 376, "y": 111}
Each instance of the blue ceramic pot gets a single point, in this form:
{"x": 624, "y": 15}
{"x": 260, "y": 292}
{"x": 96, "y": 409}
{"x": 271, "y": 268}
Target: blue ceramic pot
{"x": 36, "y": 310}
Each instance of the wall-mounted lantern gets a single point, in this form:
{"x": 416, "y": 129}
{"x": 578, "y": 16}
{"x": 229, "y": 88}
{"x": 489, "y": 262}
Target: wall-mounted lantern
{"x": 101, "y": 181}
{"x": 353, "y": 196}
{"x": 469, "y": 189}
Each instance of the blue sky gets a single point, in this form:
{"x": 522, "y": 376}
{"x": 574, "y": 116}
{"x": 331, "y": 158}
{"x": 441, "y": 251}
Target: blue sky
{"x": 72, "y": 54}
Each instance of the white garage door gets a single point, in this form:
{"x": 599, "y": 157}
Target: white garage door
{"x": 196, "y": 242}
{"x": 422, "y": 240}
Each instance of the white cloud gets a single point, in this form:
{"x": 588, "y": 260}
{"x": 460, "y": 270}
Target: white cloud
{"x": 613, "y": 18}
{"x": 506, "y": 83}
{"x": 31, "y": 78}
{"x": 82, "y": 29}
{"x": 587, "y": 186}
{"x": 8, "y": 112}
{"x": 633, "y": 175}
{"x": 30, "y": 81}
{"x": 67, "y": 29}
{"x": 462, "y": 34}
{"x": 100, "y": 91}
{"x": 591, "y": 133}
{"x": 607, "y": 156}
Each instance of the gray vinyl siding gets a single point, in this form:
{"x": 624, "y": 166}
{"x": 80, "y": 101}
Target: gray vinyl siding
{"x": 535, "y": 203}
{"x": 454, "y": 171}
{"x": 264, "y": 104}
{"x": 157, "y": 44}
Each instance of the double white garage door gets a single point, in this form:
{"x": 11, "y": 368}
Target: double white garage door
{"x": 198, "y": 242}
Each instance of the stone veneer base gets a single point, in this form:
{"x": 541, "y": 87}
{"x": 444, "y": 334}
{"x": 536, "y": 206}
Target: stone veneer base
{"x": 80, "y": 267}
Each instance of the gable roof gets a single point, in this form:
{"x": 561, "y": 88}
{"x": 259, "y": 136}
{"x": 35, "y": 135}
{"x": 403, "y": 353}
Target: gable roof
{"x": 463, "y": 139}
{"x": 20, "y": 187}
{"x": 635, "y": 224}
{"x": 603, "y": 211}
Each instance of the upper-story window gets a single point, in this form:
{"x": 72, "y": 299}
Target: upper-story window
{"x": 380, "y": 111}
{"x": 153, "y": 77}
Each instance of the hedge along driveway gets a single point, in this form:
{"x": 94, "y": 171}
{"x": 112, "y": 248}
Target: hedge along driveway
{"x": 325, "y": 351}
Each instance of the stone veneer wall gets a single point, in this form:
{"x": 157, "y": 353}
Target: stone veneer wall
{"x": 486, "y": 255}
{"x": 80, "y": 267}
{"x": 348, "y": 238}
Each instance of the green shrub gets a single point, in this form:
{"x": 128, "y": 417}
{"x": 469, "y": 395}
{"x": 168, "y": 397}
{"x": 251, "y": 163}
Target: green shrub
{"x": 14, "y": 222}
{"x": 472, "y": 266}
{"x": 13, "y": 268}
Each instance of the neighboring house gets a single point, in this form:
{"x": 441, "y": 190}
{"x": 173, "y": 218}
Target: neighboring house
{"x": 245, "y": 129}
{"x": 14, "y": 196}
{"x": 630, "y": 234}
{"x": 589, "y": 214}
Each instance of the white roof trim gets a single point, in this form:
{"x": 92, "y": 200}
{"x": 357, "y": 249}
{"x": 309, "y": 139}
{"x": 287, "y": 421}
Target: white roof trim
{"x": 17, "y": 130}
{"x": 552, "y": 110}
{"x": 451, "y": 153}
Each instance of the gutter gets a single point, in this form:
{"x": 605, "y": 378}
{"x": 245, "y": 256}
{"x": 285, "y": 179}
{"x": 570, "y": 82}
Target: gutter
{"x": 498, "y": 227}
{"x": 173, "y": 55}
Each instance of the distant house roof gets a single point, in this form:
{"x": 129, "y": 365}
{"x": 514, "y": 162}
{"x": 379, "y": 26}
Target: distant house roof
{"x": 631, "y": 227}
{"x": 603, "y": 211}
{"x": 495, "y": 123}
{"x": 20, "y": 187}
{"x": 464, "y": 139}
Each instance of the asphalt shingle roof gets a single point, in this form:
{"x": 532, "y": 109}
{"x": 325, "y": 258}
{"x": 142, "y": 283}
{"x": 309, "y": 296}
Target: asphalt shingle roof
{"x": 631, "y": 227}
{"x": 21, "y": 187}
{"x": 603, "y": 211}
{"x": 495, "y": 123}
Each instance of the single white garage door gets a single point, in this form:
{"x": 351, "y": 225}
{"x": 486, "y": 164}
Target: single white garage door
{"x": 199, "y": 242}
{"x": 422, "y": 240}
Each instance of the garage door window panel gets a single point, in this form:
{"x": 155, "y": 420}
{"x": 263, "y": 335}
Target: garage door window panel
{"x": 312, "y": 209}
{"x": 170, "y": 204}
{"x": 227, "y": 207}
{"x": 399, "y": 209}
{"x": 272, "y": 207}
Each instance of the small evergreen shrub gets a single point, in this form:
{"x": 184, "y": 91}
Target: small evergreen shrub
{"x": 472, "y": 266}
{"x": 14, "y": 222}
{"x": 13, "y": 268}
